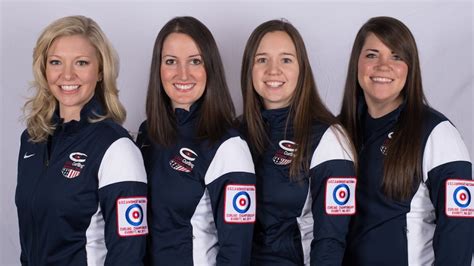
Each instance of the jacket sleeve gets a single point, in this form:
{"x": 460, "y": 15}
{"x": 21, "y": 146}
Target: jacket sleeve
{"x": 447, "y": 171}
{"x": 332, "y": 193}
{"x": 123, "y": 203}
{"x": 230, "y": 180}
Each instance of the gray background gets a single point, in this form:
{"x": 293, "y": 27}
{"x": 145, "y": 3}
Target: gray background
{"x": 443, "y": 31}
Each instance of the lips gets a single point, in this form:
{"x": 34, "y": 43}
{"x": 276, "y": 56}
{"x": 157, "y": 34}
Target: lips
{"x": 381, "y": 79}
{"x": 274, "y": 84}
{"x": 69, "y": 87}
{"x": 184, "y": 86}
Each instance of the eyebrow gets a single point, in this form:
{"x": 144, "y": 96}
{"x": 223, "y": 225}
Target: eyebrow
{"x": 290, "y": 54}
{"x": 174, "y": 56}
{"x": 372, "y": 50}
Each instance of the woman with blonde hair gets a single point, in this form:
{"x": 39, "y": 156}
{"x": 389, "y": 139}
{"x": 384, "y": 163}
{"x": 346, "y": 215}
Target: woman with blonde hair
{"x": 81, "y": 191}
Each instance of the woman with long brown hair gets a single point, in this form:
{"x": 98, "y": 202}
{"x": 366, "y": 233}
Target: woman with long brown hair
{"x": 200, "y": 171}
{"x": 414, "y": 191}
{"x": 304, "y": 166}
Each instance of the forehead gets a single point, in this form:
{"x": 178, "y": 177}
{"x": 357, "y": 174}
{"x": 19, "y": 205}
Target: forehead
{"x": 276, "y": 41}
{"x": 77, "y": 45}
{"x": 374, "y": 42}
{"x": 179, "y": 43}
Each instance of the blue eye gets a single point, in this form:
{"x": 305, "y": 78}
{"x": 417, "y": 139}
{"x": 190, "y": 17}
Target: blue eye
{"x": 54, "y": 62}
{"x": 82, "y": 62}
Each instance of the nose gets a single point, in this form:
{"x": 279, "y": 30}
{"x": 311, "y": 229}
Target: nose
{"x": 68, "y": 72}
{"x": 273, "y": 68}
{"x": 183, "y": 72}
{"x": 384, "y": 63}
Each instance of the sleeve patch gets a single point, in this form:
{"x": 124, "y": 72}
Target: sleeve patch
{"x": 459, "y": 198}
{"x": 240, "y": 202}
{"x": 131, "y": 216}
{"x": 340, "y": 196}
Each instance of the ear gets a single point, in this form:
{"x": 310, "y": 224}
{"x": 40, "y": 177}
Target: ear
{"x": 99, "y": 79}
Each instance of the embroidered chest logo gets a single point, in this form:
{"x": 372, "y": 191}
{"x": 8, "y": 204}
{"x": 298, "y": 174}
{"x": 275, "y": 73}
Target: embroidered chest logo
{"x": 384, "y": 147}
{"x": 72, "y": 168}
{"x": 184, "y": 161}
{"x": 285, "y": 154}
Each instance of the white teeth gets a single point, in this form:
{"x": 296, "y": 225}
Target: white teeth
{"x": 184, "y": 86}
{"x": 381, "y": 79}
{"x": 69, "y": 87}
{"x": 274, "y": 84}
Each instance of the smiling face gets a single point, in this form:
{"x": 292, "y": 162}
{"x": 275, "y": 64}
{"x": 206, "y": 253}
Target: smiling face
{"x": 72, "y": 72}
{"x": 382, "y": 75}
{"x": 182, "y": 70}
{"x": 275, "y": 70}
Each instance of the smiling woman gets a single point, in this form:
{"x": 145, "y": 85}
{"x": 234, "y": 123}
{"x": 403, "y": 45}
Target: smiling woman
{"x": 72, "y": 71}
{"x": 81, "y": 190}
{"x": 200, "y": 171}
{"x": 415, "y": 172}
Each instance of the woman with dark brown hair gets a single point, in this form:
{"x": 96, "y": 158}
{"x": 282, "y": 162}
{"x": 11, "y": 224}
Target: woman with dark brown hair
{"x": 200, "y": 171}
{"x": 304, "y": 163}
{"x": 414, "y": 192}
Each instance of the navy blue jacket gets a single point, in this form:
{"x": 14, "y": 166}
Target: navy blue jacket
{"x": 81, "y": 195}
{"x": 202, "y": 197}
{"x": 305, "y": 221}
{"x": 434, "y": 226}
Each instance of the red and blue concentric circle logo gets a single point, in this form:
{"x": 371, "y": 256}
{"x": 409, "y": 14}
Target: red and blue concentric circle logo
{"x": 462, "y": 196}
{"x": 134, "y": 214}
{"x": 341, "y": 194}
{"x": 241, "y": 202}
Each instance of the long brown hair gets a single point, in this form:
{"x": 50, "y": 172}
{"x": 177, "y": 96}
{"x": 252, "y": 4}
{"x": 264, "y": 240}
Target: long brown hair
{"x": 305, "y": 106}
{"x": 402, "y": 165}
{"x": 40, "y": 108}
{"x": 217, "y": 111}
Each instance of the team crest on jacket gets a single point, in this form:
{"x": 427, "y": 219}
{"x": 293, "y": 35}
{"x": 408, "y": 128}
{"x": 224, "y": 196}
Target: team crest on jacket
{"x": 183, "y": 162}
{"x": 284, "y": 155}
{"x": 340, "y": 196}
{"x": 72, "y": 168}
{"x": 384, "y": 146}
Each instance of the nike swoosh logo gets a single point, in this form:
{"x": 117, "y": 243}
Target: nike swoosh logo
{"x": 144, "y": 145}
{"x": 26, "y": 156}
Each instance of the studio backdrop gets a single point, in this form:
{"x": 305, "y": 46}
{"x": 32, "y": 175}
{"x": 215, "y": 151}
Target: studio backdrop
{"x": 443, "y": 31}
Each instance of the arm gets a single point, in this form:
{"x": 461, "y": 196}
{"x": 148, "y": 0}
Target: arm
{"x": 332, "y": 186}
{"x": 123, "y": 202}
{"x": 230, "y": 181}
{"x": 447, "y": 171}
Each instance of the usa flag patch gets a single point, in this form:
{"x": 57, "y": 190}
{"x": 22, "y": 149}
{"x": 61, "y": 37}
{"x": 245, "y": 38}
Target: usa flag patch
{"x": 459, "y": 201}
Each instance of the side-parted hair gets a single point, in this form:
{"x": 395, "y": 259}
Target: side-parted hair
{"x": 402, "y": 165}
{"x": 217, "y": 111}
{"x": 40, "y": 108}
{"x": 305, "y": 107}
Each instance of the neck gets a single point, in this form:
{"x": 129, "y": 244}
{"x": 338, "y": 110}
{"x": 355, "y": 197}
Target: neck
{"x": 377, "y": 110}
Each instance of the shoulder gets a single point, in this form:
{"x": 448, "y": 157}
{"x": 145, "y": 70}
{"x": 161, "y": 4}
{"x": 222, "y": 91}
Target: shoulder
{"x": 333, "y": 145}
{"x": 432, "y": 118}
{"x": 108, "y": 129}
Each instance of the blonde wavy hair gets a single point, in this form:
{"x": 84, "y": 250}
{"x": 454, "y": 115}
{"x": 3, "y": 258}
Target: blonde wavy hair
{"x": 40, "y": 108}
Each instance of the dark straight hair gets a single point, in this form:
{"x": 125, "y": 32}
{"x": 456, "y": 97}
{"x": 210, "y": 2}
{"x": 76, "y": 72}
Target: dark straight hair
{"x": 217, "y": 111}
{"x": 402, "y": 164}
{"x": 305, "y": 106}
